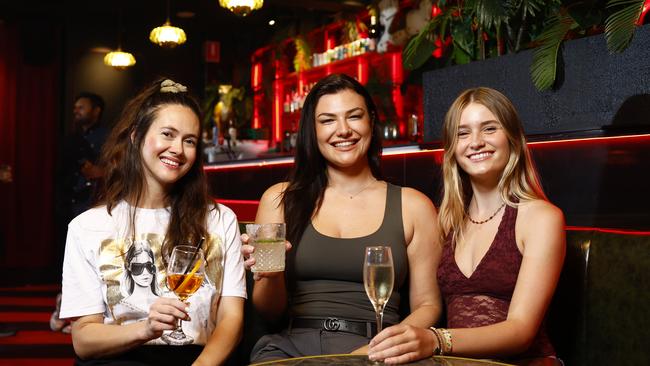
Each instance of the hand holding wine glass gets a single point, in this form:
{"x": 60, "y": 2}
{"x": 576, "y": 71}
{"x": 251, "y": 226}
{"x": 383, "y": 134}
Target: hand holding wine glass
{"x": 378, "y": 279}
{"x": 185, "y": 273}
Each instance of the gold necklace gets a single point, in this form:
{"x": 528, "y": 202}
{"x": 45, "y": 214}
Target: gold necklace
{"x": 361, "y": 190}
{"x": 486, "y": 220}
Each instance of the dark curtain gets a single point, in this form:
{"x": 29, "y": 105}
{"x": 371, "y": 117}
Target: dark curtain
{"x": 28, "y": 130}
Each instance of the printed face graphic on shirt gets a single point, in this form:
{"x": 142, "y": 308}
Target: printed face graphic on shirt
{"x": 123, "y": 274}
{"x": 139, "y": 266}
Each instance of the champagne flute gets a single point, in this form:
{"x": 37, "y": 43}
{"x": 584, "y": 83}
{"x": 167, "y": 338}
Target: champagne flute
{"x": 184, "y": 277}
{"x": 378, "y": 279}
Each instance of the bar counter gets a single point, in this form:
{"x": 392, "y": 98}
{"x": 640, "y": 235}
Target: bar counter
{"x": 595, "y": 179}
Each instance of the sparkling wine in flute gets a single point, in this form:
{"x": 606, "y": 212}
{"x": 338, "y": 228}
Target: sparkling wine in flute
{"x": 378, "y": 279}
{"x": 379, "y": 285}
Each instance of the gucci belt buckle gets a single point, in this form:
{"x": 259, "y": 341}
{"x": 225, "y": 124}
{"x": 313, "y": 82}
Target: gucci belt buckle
{"x": 331, "y": 324}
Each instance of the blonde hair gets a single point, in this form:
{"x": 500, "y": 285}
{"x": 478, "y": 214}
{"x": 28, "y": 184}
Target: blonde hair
{"x": 518, "y": 182}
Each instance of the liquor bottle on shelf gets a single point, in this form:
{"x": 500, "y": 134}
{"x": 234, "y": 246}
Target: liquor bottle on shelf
{"x": 413, "y": 128}
{"x": 375, "y": 28}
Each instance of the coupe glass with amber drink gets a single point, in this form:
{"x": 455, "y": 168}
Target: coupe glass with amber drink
{"x": 184, "y": 277}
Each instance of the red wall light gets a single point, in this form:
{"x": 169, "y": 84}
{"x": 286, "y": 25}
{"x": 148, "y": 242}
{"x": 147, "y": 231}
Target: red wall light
{"x": 256, "y": 77}
{"x": 278, "y": 91}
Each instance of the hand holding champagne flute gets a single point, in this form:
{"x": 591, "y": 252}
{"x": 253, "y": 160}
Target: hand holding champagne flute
{"x": 184, "y": 277}
{"x": 378, "y": 279}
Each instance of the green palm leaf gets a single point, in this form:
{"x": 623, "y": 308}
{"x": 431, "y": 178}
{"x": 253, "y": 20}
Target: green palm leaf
{"x": 620, "y": 25}
{"x": 488, "y": 12}
{"x": 533, "y": 7}
{"x": 544, "y": 67}
{"x": 419, "y": 48}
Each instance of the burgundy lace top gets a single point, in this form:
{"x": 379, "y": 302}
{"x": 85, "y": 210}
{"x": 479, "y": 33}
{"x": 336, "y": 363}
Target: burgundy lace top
{"x": 484, "y": 297}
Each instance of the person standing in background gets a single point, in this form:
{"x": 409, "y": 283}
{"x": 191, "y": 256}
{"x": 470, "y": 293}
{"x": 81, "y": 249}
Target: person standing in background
{"x": 78, "y": 174}
{"x": 81, "y": 151}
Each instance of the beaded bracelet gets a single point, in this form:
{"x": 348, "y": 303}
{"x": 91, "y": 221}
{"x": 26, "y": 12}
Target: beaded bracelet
{"x": 448, "y": 344}
{"x": 438, "y": 350}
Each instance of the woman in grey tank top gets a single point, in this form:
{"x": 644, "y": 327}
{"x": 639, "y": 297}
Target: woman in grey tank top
{"x": 334, "y": 205}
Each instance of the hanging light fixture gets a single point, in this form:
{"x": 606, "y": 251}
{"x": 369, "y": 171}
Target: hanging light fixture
{"x": 167, "y": 35}
{"x": 119, "y": 59}
{"x": 241, "y": 7}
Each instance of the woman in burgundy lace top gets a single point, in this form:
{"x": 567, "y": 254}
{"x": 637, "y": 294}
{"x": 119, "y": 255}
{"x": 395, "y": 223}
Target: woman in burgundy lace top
{"x": 503, "y": 241}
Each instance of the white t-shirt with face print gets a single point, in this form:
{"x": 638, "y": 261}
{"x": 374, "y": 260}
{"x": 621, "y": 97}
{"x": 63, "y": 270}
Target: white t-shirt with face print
{"x": 105, "y": 272}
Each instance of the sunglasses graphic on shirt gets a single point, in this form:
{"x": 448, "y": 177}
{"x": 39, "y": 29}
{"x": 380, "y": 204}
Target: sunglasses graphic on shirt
{"x": 137, "y": 268}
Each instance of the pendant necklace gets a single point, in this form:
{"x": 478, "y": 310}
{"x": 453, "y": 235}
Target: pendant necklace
{"x": 486, "y": 220}
{"x": 351, "y": 196}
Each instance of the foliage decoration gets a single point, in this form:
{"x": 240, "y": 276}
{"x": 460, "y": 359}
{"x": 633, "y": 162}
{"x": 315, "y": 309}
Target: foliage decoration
{"x": 486, "y": 28}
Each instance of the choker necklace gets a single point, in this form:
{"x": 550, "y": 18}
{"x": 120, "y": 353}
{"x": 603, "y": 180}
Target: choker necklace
{"x": 351, "y": 196}
{"x": 486, "y": 220}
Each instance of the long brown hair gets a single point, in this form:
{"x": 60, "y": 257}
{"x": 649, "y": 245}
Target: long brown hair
{"x": 124, "y": 178}
{"x": 308, "y": 179}
{"x": 518, "y": 182}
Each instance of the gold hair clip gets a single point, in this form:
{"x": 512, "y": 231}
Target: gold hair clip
{"x": 169, "y": 86}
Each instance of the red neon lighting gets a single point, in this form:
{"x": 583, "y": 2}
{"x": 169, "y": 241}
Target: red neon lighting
{"x": 256, "y": 117}
{"x": 301, "y": 82}
{"x": 238, "y": 202}
{"x": 644, "y": 11}
{"x": 329, "y": 44}
{"x": 251, "y": 164}
{"x": 362, "y": 70}
{"x": 398, "y": 102}
{"x": 277, "y": 110}
{"x": 608, "y": 230}
{"x": 256, "y": 79}
{"x": 396, "y": 70}
{"x": 590, "y": 140}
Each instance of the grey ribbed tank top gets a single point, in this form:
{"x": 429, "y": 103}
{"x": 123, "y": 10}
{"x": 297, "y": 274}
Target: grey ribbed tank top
{"x": 328, "y": 271}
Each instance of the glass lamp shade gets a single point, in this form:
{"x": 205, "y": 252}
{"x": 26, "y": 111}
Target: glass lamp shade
{"x": 241, "y": 7}
{"x": 167, "y": 35}
{"x": 119, "y": 59}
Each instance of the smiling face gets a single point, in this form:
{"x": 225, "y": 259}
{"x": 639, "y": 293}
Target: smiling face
{"x": 343, "y": 128}
{"x": 169, "y": 147}
{"x": 482, "y": 147}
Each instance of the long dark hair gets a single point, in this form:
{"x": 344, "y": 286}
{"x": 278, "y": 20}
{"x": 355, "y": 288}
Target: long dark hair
{"x": 136, "y": 249}
{"x": 307, "y": 182}
{"x": 124, "y": 177}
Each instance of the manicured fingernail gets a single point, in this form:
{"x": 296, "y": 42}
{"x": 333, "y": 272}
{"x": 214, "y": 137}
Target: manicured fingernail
{"x": 187, "y": 309}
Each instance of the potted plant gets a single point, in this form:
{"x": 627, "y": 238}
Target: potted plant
{"x": 464, "y": 31}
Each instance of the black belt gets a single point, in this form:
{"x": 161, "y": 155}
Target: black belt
{"x": 365, "y": 329}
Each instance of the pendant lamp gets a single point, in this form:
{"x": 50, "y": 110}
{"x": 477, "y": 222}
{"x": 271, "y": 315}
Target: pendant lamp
{"x": 167, "y": 35}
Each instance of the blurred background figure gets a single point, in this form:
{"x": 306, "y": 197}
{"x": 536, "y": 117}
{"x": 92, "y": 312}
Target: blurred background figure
{"x": 81, "y": 151}
{"x": 78, "y": 173}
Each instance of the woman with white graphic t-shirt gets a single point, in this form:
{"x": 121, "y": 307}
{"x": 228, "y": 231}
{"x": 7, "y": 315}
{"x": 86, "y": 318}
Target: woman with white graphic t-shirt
{"x": 154, "y": 197}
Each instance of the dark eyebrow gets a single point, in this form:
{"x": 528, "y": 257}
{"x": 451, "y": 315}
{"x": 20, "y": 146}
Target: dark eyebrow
{"x": 175, "y": 130}
{"x": 346, "y": 112}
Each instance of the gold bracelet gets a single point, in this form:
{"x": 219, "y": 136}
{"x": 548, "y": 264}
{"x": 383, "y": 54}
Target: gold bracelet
{"x": 438, "y": 349}
{"x": 448, "y": 344}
